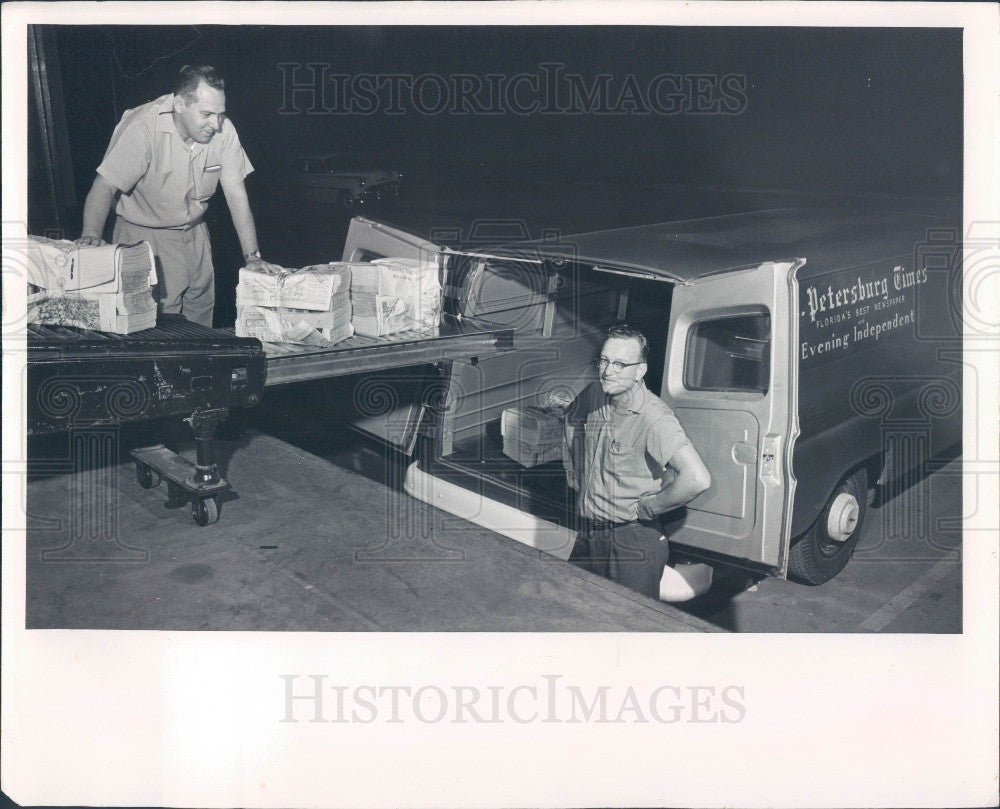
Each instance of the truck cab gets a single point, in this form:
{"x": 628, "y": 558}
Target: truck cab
{"x": 789, "y": 343}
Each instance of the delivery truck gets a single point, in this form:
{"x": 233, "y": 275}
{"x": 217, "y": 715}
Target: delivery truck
{"x": 810, "y": 354}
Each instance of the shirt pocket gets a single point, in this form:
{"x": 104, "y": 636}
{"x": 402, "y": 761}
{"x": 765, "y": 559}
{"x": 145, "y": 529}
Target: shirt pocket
{"x": 621, "y": 457}
{"x": 627, "y": 465}
{"x": 209, "y": 182}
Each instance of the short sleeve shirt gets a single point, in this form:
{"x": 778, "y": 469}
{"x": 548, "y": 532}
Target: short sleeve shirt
{"x": 613, "y": 456}
{"x": 166, "y": 183}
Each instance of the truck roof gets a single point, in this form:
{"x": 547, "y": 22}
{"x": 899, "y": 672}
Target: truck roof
{"x": 686, "y": 250}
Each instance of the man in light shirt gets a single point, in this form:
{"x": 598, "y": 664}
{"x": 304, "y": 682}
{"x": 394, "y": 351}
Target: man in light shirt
{"x": 630, "y": 462}
{"x": 165, "y": 160}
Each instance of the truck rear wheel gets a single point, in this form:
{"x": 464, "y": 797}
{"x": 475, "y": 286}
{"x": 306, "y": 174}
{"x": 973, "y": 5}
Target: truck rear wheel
{"x": 824, "y": 550}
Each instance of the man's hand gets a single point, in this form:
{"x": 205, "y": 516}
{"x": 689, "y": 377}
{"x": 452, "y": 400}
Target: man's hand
{"x": 649, "y": 503}
{"x": 646, "y": 513}
{"x": 684, "y": 478}
{"x": 556, "y": 402}
{"x": 265, "y": 267}
{"x": 89, "y": 241}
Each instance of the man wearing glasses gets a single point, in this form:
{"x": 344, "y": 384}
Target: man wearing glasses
{"x": 630, "y": 462}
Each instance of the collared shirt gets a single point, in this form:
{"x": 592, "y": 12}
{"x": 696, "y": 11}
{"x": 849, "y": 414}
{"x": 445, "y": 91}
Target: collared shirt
{"x": 613, "y": 456}
{"x": 166, "y": 183}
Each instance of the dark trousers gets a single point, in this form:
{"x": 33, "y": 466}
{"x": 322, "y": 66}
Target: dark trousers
{"x": 632, "y": 553}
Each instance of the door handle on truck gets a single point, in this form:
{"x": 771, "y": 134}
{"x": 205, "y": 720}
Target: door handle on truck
{"x": 769, "y": 459}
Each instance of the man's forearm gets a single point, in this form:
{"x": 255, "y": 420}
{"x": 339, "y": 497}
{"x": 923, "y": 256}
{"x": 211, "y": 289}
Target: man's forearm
{"x": 677, "y": 493}
{"x": 96, "y": 208}
{"x": 683, "y": 480}
{"x": 243, "y": 222}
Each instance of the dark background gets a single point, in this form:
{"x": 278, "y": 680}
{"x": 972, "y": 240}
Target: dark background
{"x": 859, "y": 113}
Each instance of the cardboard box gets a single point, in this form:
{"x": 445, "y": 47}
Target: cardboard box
{"x": 531, "y": 425}
{"x": 531, "y": 454}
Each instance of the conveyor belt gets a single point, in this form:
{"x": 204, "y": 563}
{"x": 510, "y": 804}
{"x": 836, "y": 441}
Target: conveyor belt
{"x": 172, "y": 335}
{"x": 79, "y": 378}
{"x": 456, "y": 340}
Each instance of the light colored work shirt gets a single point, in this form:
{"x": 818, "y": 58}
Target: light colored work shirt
{"x": 615, "y": 456}
{"x": 166, "y": 183}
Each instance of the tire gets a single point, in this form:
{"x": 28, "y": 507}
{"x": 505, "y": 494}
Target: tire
{"x": 816, "y": 557}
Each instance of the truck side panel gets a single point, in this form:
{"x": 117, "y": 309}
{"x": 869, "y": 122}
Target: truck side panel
{"x": 874, "y": 366}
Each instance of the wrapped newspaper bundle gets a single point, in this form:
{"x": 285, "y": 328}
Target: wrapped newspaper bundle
{"x": 104, "y": 288}
{"x": 301, "y": 326}
{"x": 391, "y": 295}
{"x": 310, "y": 306}
{"x": 94, "y": 312}
{"x": 312, "y": 288}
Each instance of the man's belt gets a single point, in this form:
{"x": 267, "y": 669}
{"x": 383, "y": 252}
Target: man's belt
{"x": 186, "y": 226}
{"x": 604, "y": 525}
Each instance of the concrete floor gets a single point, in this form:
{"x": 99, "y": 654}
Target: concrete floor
{"x": 905, "y": 576}
{"x": 302, "y": 544}
{"x": 316, "y": 536}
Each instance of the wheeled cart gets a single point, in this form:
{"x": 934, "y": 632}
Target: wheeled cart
{"x": 198, "y": 483}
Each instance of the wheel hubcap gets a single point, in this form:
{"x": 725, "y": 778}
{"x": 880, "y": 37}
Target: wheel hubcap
{"x": 843, "y": 518}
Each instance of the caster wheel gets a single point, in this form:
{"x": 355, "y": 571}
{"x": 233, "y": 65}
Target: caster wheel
{"x": 205, "y": 512}
{"x": 148, "y": 478}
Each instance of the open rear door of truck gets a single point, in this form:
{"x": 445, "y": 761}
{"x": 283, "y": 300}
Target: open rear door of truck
{"x": 731, "y": 380}
{"x": 469, "y": 335}
{"x": 394, "y": 371}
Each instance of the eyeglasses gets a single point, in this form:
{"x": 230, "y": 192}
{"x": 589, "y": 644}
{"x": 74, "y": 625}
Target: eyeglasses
{"x": 615, "y": 365}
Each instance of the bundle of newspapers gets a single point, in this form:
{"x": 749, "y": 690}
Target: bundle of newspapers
{"x": 308, "y": 306}
{"x": 103, "y": 288}
{"x": 324, "y": 304}
{"x": 391, "y": 295}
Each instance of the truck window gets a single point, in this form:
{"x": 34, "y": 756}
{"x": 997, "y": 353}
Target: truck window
{"x": 729, "y": 354}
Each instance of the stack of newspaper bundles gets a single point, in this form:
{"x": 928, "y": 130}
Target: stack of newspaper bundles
{"x": 531, "y": 436}
{"x": 309, "y": 306}
{"x": 103, "y": 288}
{"x": 391, "y": 295}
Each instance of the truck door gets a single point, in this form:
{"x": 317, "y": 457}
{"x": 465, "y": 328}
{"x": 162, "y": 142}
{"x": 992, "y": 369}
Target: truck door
{"x": 368, "y": 239}
{"x": 398, "y": 395}
{"x": 730, "y": 377}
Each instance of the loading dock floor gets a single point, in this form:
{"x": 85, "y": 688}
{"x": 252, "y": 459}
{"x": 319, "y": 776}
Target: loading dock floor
{"x": 304, "y": 545}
